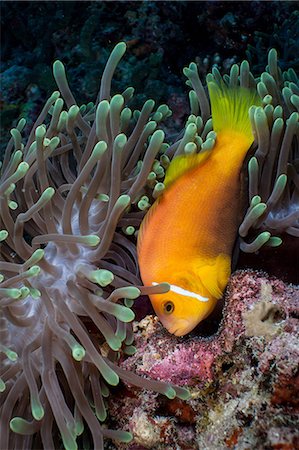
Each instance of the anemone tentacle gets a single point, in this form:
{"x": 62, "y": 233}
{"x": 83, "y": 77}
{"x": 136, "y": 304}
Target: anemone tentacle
{"x": 69, "y": 210}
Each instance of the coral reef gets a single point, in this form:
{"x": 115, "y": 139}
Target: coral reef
{"x": 244, "y": 380}
{"x": 162, "y": 37}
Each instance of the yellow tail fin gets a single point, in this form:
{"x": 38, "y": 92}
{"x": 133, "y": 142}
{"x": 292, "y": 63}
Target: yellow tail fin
{"x": 230, "y": 107}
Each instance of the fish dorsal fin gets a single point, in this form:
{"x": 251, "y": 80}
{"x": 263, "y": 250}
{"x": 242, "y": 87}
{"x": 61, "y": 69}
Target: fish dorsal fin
{"x": 214, "y": 274}
{"x": 230, "y": 108}
{"x": 183, "y": 163}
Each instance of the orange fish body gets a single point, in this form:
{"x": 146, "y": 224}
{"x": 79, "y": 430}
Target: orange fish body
{"x": 187, "y": 237}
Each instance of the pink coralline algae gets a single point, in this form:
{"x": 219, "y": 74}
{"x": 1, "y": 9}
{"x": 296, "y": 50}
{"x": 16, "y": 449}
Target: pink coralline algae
{"x": 243, "y": 380}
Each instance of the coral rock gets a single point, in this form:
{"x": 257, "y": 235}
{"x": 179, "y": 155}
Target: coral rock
{"x": 243, "y": 379}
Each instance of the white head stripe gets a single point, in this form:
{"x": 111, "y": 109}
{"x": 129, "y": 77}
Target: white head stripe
{"x": 181, "y": 291}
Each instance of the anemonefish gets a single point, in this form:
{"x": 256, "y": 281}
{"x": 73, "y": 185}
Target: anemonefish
{"x": 186, "y": 239}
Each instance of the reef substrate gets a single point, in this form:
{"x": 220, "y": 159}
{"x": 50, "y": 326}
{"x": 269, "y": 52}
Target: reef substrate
{"x": 243, "y": 380}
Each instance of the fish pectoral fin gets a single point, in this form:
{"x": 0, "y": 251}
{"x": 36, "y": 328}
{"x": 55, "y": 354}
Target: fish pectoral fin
{"x": 215, "y": 275}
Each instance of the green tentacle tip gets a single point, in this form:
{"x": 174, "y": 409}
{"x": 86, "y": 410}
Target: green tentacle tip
{"x": 293, "y": 119}
{"x": 128, "y": 302}
{"x": 2, "y": 385}
{"x": 11, "y": 355}
{"x": 33, "y": 271}
{"x": 164, "y": 147}
{"x": 164, "y": 161}
{"x": 190, "y": 148}
{"x": 170, "y": 392}
{"x": 130, "y": 230}
{"x": 102, "y": 276}
{"x": 16, "y": 134}
{"x": 12, "y": 205}
{"x": 120, "y": 140}
{"x": 54, "y": 143}
{"x": 272, "y": 55}
{"x": 158, "y": 189}
{"x": 117, "y": 101}
{"x": 130, "y": 350}
{"x": 25, "y": 292}
{"x": 55, "y": 95}
{"x": 36, "y": 256}
{"x": 208, "y": 144}
{"x": 1, "y": 277}
{"x": 128, "y": 92}
{"x": 260, "y": 117}
{"x": 3, "y": 235}
{"x": 160, "y": 172}
{"x": 182, "y": 393}
{"x": 69, "y": 442}
{"x": 35, "y": 293}
{"x": 99, "y": 149}
{"x": 82, "y": 109}
{"x": 274, "y": 241}
{"x": 78, "y": 352}
{"x": 16, "y": 158}
{"x": 58, "y": 69}
{"x": 79, "y": 427}
{"x": 253, "y": 164}
{"x": 101, "y": 415}
{"x": 119, "y": 49}
{"x": 267, "y": 100}
{"x": 258, "y": 210}
{"x": 123, "y": 201}
{"x": 13, "y": 293}
{"x": 111, "y": 377}
{"x": 123, "y": 313}
{"x": 150, "y": 127}
{"x": 130, "y": 292}
{"x": 157, "y": 138}
{"x": 280, "y": 183}
{"x": 47, "y": 194}
{"x": 143, "y": 205}
{"x": 22, "y": 168}
{"x": 261, "y": 239}
{"x": 41, "y": 130}
{"x": 37, "y": 410}
{"x": 73, "y": 112}
{"x": 191, "y": 130}
{"x": 100, "y": 197}
{"x": 19, "y": 425}
{"x": 158, "y": 116}
{"x": 123, "y": 436}
{"x": 295, "y": 100}
{"x": 114, "y": 343}
{"x": 105, "y": 390}
{"x": 21, "y": 124}
{"x": 10, "y": 189}
{"x": 255, "y": 200}
{"x": 91, "y": 240}
{"x": 102, "y": 109}
{"x": 149, "y": 104}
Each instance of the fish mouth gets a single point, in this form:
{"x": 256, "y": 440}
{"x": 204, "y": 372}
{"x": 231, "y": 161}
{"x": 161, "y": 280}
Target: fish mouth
{"x": 180, "y": 328}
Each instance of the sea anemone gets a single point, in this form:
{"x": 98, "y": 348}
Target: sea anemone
{"x": 71, "y": 200}
{"x": 273, "y": 178}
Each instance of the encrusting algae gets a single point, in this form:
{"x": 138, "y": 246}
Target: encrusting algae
{"x": 71, "y": 202}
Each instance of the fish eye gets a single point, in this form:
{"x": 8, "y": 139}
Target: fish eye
{"x": 168, "y": 307}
